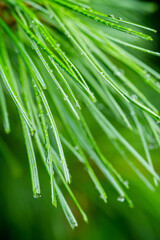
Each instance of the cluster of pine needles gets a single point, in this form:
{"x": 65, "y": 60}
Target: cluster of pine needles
{"x": 59, "y": 65}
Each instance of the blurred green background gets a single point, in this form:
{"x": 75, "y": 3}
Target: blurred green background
{"x": 23, "y": 217}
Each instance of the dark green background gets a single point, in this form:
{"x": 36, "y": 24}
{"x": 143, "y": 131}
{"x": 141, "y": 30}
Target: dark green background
{"x": 22, "y": 217}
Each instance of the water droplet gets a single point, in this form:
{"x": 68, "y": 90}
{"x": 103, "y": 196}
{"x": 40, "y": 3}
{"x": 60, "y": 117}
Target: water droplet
{"x": 134, "y": 96}
{"x": 100, "y": 106}
{"x": 57, "y": 44}
{"x": 76, "y": 148}
{"x": 158, "y": 84}
{"x": 51, "y": 16}
{"x": 32, "y": 21}
{"x": 66, "y": 98}
{"x": 37, "y": 195}
{"x": 111, "y": 16}
{"x": 96, "y": 18}
{"x": 120, "y": 199}
{"x": 119, "y": 18}
{"x": 48, "y": 161}
{"x": 152, "y": 146}
{"x": 126, "y": 183}
{"x": 148, "y": 76}
{"x": 93, "y": 97}
{"x": 77, "y": 105}
{"x": 117, "y": 73}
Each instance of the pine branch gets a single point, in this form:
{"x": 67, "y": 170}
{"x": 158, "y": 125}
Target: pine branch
{"x": 68, "y": 68}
